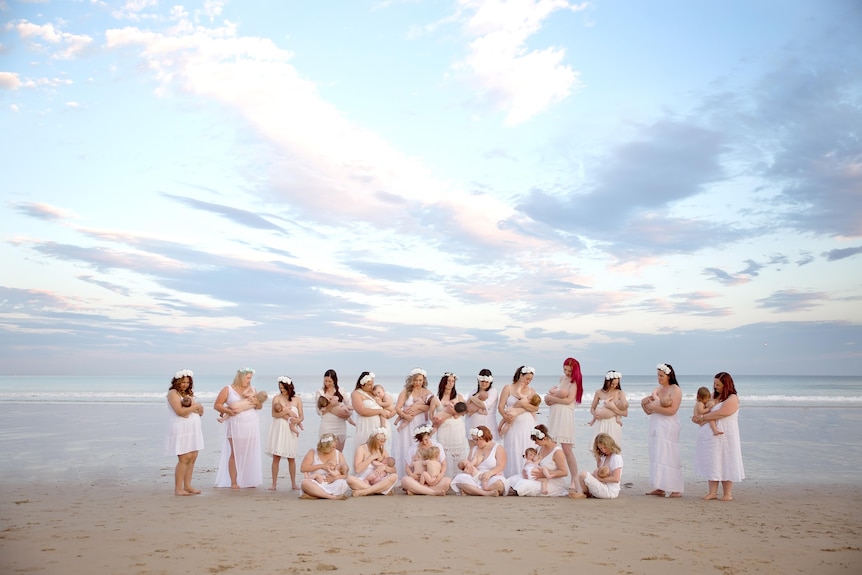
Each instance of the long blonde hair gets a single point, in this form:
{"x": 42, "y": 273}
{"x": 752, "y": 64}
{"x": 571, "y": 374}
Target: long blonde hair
{"x": 605, "y": 441}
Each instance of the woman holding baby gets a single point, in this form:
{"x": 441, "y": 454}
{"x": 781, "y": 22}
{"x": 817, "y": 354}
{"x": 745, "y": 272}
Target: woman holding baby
{"x": 449, "y": 421}
{"x": 482, "y": 472}
{"x": 517, "y": 416}
{"x": 482, "y": 405}
{"x": 562, "y": 400}
{"x": 550, "y": 476}
{"x": 609, "y": 406}
{"x": 240, "y": 464}
{"x": 335, "y": 411}
{"x": 368, "y": 409}
{"x": 414, "y": 481}
{"x": 325, "y": 471}
{"x": 662, "y": 406}
{"x": 412, "y": 407}
{"x": 373, "y": 468}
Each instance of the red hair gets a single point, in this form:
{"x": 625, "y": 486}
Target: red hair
{"x": 577, "y": 378}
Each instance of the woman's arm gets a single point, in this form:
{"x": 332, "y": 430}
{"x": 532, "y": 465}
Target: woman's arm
{"x": 501, "y": 464}
{"x": 501, "y": 403}
{"x": 562, "y": 467}
{"x": 595, "y": 403}
{"x": 362, "y": 459}
{"x": 676, "y": 401}
{"x": 221, "y": 401}
{"x": 729, "y": 407}
{"x": 359, "y": 405}
{"x": 299, "y": 409}
{"x": 176, "y": 403}
{"x": 307, "y": 465}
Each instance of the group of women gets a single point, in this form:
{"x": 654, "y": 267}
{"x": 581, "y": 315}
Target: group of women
{"x": 448, "y": 441}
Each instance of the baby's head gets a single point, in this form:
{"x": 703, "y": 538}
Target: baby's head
{"x": 460, "y": 407}
{"x": 278, "y": 408}
{"x": 530, "y": 454}
{"x": 390, "y": 461}
{"x": 322, "y": 402}
{"x": 483, "y": 395}
{"x": 536, "y": 399}
{"x": 666, "y": 401}
{"x": 703, "y": 394}
{"x": 427, "y": 453}
{"x": 378, "y": 391}
{"x": 186, "y": 401}
{"x": 603, "y": 471}
{"x": 261, "y": 397}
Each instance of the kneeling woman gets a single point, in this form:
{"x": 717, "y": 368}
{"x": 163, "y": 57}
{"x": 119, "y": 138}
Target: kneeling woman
{"x": 548, "y": 479}
{"x": 325, "y": 471}
{"x": 412, "y": 481}
{"x": 373, "y": 467}
{"x": 483, "y": 469}
{"x": 604, "y": 482}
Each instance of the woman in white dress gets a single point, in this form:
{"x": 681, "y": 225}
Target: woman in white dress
{"x": 562, "y": 400}
{"x": 412, "y": 407}
{"x": 550, "y": 477}
{"x": 482, "y": 405}
{"x": 368, "y": 411}
{"x": 604, "y": 481}
{"x": 519, "y": 416}
{"x": 283, "y": 440}
{"x": 184, "y": 436}
{"x": 718, "y": 458}
{"x": 241, "y": 461}
{"x": 449, "y": 420}
{"x": 665, "y": 464}
{"x": 373, "y": 468}
{"x": 411, "y": 482}
{"x": 325, "y": 471}
{"x": 609, "y": 406}
{"x": 483, "y": 469}
{"x": 335, "y": 415}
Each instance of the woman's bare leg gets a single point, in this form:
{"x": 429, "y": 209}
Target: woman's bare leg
{"x": 276, "y": 462}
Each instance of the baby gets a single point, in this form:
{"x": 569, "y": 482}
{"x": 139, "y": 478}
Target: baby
{"x": 606, "y": 413}
{"x": 427, "y": 465}
{"x": 261, "y": 399}
{"x": 384, "y": 400}
{"x": 379, "y": 472}
{"x": 603, "y": 471}
{"x": 503, "y": 427}
{"x": 531, "y": 462}
{"x": 476, "y": 403}
{"x": 186, "y": 401}
{"x": 295, "y": 426}
{"x": 323, "y": 401}
{"x": 704, "y": 405}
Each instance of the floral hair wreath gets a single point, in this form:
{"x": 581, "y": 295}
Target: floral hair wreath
{"x": 417, "y": 371}
{"x": 476, "y": 432}
{"x": 366, "y": 378}
{"x": 488, "y": 378}
{"x": 246, "y": 370}
{"x": 527, "y": 369}
{"x": 285, "y": 380}
{"x": 664, "y": 368}
{"x": 379, "y": 430}
{"x": 537, "y": 433}
{"x": 327, "y": 438}
{"x": 424, "y": 428}
{"x": 183, "y": 373}
{"x": 613, "y": 375}
{"x": 450, "y": 374}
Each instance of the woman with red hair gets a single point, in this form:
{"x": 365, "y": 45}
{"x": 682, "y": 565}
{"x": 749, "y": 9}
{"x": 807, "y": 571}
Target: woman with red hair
{"x": 562, "y": 400}
{"x": 718, "y": 458}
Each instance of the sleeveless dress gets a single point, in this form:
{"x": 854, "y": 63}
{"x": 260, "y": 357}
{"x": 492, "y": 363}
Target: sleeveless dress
{"x": 184, "y": 434}
{"x": 282, "y": 441}
{"x": 561, "y": 420}
{"x": 452, "y": 435}
{"x": 331, "y": 423}
{"x": 365, "y": 425}
{"x": 487, "y": 464}
{"x": 601, "y": 490}
{"x": 557, "y": 486}
{"x": 665, "y": 464}
{"x": 368, "y": 470}
{"x": 609, "y": 426}
{"x": 517, "y": 438}
{"x": 338, "y": 487}
{"x": 244, "y": 430}
{"x": 489, "y": 420}
{"x": 405, "y": 439}
{"x": 719, "y": 457}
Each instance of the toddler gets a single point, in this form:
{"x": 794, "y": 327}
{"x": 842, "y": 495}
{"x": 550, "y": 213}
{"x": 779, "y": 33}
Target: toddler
{"x": 704, "y": 405}
{"x": 261, "y": 397}
{"x": 427, "y": 465}
{"x": 530, "y": 463}
{"x": 503, "y": 427}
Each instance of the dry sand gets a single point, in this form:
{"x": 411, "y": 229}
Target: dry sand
{"x": 134, "y": 529}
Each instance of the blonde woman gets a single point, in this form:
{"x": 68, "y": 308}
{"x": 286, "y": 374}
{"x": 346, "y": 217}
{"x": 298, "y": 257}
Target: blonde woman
{"x": 325, "y": 471}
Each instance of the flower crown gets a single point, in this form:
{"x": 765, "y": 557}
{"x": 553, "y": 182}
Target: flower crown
{"x": 537, "y": 433}
{"x": 527, "y": 369}
{"x": 449, "y": 374}
{"x": 613, "y": 375}
{"x": 663, "y": 367}
{"x": 327, "y": 438}
{"x": 379, "y": 430}
{"x": 285, "y": 380}
{"x": 183, "y": 373}
{"x": 424, "y": 428}
{"x": 366, "y": 378}
{"x": 245, "y": 370}
{"x": 476, "y": 432}
{"x": 417, "y": 371}
{"x": 488, "y": 378}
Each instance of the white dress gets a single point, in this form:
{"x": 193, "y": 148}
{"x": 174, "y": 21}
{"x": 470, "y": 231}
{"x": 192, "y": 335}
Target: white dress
{"x": 557, "y": 486}
{"x": 282, "y": 441}
{"x": 517, "y": 438}
{"x": 452, "y": 435}
{"x": 601, "y": 490}
{"x": 561, "y": 418}
{"x": 329, "y": 422}
{"x": 184, "y": 434}
{"x": 487, "y": 464}
{"x": 609, "y": 426}
{"x": 665, "y": 464}
{"x": 338, "y": 487}
{"x": 405, "y": 439}
{"x": 244, "y": 430}
{"x": 365, "y": 425}
{"x": 719, "y": 457}
{"x": 489, "y": 420}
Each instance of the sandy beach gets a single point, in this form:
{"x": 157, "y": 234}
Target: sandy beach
{"x": 115, "y": 528}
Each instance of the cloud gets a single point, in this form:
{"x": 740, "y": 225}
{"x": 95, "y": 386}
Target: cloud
{"x": 42, "y": 211}
{"x": 237, "y": 215}
{"x": 840, "y": 254}
{"x": 791, "y": 300}
{"x": 61, "y": 45}
{"x": 724, "y": 277}
{"x": 9, "y": 81}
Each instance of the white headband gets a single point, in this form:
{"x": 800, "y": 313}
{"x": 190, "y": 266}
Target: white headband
{"x": 527, "y": 369}
{"x": 285, "y": 380}
{"x": 183, "y": 373}
{"x": 663, "y": 367}
{"x": 366, "y": 378}
{"x": 488, "y": 378}
{"x": 613, "y": 375}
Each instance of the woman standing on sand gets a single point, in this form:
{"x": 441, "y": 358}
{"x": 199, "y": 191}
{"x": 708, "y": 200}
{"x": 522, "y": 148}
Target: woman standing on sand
{"x": 368, "y": 411}
{"x": 482, "y": 405}
{"x": 718, "y": 458}
{"x": 665, "y": 464}
{"x": 449, "y": 422}
{"x": 283, "y": 440}
{"x": 241, "y": 462}
{"x": 184, "y": 438}
{"x": 519, "y": 415}
{"x": 412, "y": 407}
{"x": 562, "y": 400}
{"x": 609, "y": 406}
{"x": 333, "y": 416}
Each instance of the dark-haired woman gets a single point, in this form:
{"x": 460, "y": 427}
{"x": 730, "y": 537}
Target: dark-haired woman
{"x": 184, "y": 437}
{"x": 449, "y": 422}
{"x": 283, "y": 440}
{"x": 718, "y": 458}
{"x": 482, "y": 405}
{"x": 665, "y": 463}
{"x": 334, "y": 415}
{"x": 552, "y": 469}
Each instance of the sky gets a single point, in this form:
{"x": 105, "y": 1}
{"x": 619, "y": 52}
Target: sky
{"x": 450, "y": 184}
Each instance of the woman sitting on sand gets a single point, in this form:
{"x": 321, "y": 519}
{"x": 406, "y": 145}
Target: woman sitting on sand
{"x": 373, "y": 468}
{"x": 325, "y": 471}
{"x": 552, "y": 467}
{"x": 482, "y": 471}
{"x": 411, "y": 482}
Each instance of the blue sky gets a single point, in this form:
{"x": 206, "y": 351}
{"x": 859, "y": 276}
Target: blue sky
{"x": 452, "y": 184}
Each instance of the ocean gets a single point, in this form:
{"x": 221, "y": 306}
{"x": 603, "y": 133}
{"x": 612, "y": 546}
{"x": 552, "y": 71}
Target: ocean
{"x": 110, "y": 430}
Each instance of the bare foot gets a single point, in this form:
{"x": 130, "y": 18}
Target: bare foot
{"x": 193, "y": 491}
{"x": 182, "y": 492}
{"x": 272, "y": 488}
{"x": 576, "y": 495}
{"x": 676, "y": 494}
{"x": 235, "y": 486}
{"x": 727, "y": 498}
{"x": 295, "y": 488}
{"x": 710, "y": 496}
{"x": 306, "y": 496}
{"x": 659, "y": 492}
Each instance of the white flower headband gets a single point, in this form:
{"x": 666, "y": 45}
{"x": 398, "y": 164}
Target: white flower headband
{"x": 366, "y": 378}
{"x": 245, "y": 370}
{"x": 488, "y": 378}
{"x": 417, "y": 371}
{"x": 613, "y": 375}
{"x": 424, "y": 428}
{"x": 663, "y": 367}
{"x": 537, "y": 433}
{"x": 327, "y": 438}
{"x": 449, "y": 374}
{"x": 285, "y": 380}
{"x": 527, "y": 369}
{"x": 183, "y": 373}
{"x": 476, "y": 432}
{"x": 379, "y": 430}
